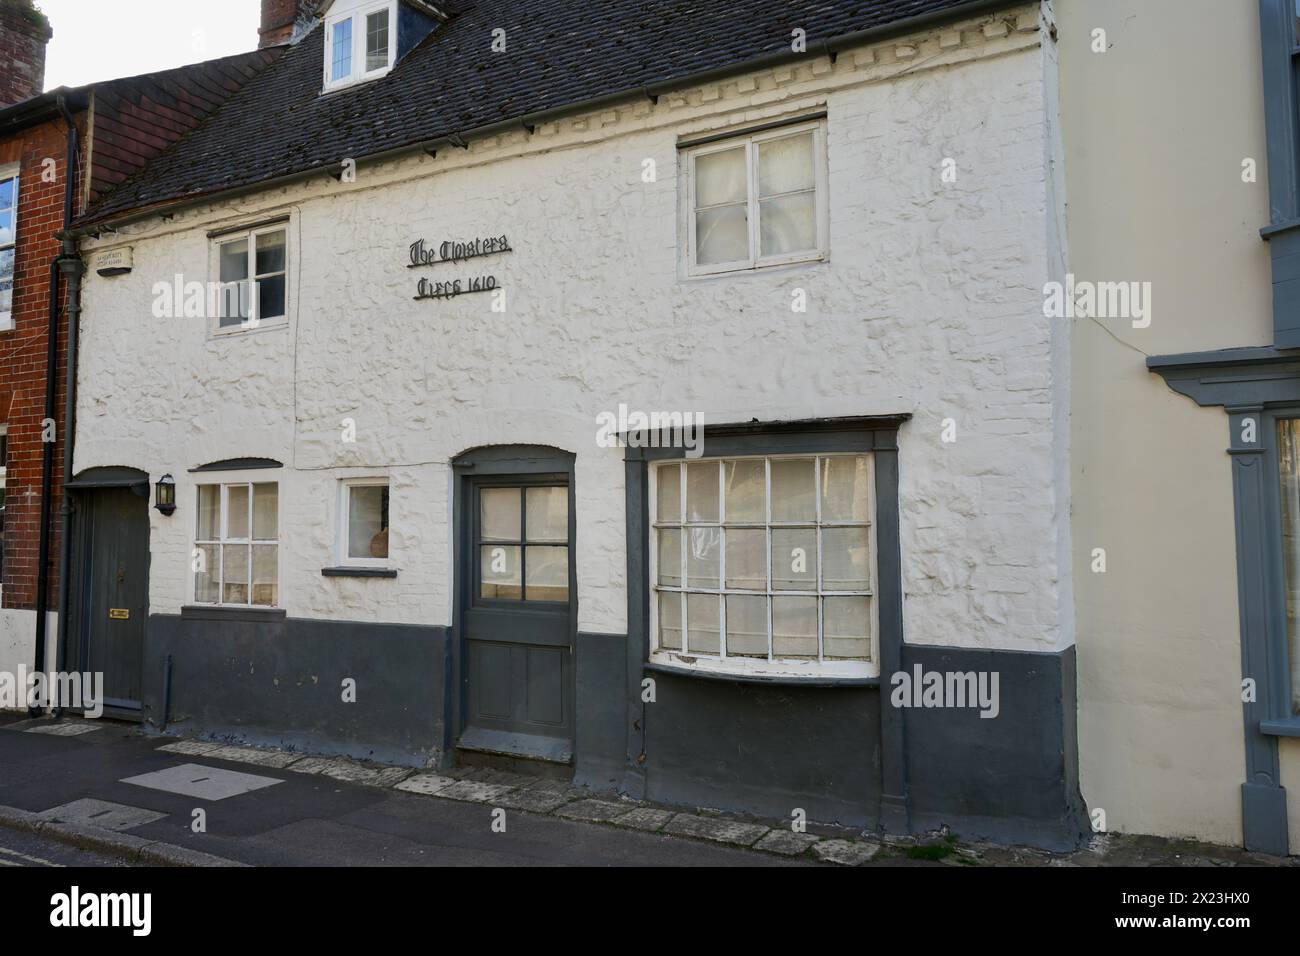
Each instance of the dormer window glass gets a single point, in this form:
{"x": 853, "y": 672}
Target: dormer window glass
{"x": 359, "y": 42}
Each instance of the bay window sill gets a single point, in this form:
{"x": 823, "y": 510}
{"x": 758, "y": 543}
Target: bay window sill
{"x": 814, "y": 675}
{"x": 231, "y": 612}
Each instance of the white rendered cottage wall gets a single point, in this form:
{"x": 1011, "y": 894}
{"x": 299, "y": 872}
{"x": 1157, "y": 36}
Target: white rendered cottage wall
{"x": 930, "y": 304}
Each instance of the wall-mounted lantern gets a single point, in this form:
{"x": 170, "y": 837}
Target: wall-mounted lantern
{"x": 165, "y": 495}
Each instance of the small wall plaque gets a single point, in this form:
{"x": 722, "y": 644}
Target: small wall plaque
{"x": 115, "y": 262}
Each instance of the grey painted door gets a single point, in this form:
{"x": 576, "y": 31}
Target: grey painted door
{"x": 517, "y": 564}
{"x": 111, "y": 591}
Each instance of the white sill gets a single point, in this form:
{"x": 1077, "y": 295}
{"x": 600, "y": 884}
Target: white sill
{"x": 339, "y": 85}
{"x": 740, "y": 269}
{"x": 237, "y": 330}
{"x": 793, "y": 671}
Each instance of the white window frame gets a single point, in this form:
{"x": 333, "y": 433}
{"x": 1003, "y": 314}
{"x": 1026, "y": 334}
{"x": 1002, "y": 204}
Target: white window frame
{"x": 11, "y": 172}
{"x": 359, "y": 15}
{"x": 254, "y": 322}
{"x": 344, "y": 512}
{"x": 750, "y": 141}
{"x": 750, "y": 666}
{"x": 226, "y": 481}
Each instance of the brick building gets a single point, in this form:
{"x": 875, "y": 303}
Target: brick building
{"x": 120, "y": 125}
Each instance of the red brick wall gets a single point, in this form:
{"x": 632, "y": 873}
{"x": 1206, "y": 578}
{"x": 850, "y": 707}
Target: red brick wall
{"x": 23, "y": 35}
{"x": 23, "y": 361}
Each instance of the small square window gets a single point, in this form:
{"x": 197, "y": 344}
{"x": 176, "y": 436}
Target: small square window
{"x": 360, "y": 42}
{"x": 363, "y": 525}
{"x": 756, "y": 200}
{"x": 252, "y": 271}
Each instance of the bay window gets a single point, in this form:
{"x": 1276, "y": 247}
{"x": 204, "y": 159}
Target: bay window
{"x": 764, "y": 564}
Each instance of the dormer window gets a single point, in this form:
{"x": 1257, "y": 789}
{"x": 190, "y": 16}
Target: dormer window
{"x": 359, "y": 42}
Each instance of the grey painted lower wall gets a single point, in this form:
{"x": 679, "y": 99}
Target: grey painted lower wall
{"x": 600, "y": 748}
{"x": 1012, "y": 778}
{"x": 766, "y": 750}
{"x": 278, "y": 681}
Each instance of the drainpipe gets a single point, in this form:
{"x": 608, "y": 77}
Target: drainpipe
{"x": 73, "y": 269}
{"x": 51, "y": 377}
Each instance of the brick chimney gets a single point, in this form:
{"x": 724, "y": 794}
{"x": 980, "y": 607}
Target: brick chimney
{"x": 24, "y": 31}
{"x": 286, "y": 21}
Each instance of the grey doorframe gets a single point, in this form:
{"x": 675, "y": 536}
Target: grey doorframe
{"x": 875, "y": 435}
{"x": 88, "y": 482}
{"x": 481, "y": 466}
{"x": 1254, "y": 386}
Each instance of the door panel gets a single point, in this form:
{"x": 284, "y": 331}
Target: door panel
{"x": 516, "y": 565}
{"x": 111, "y": 593}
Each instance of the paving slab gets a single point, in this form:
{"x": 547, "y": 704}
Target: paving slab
{"x": 278, "y": 759}
{"x": 593, "y": 811}
{"x": 101, "y": 814}
{"x": 64, "y": 729}
{"x": 845, "y": 852}
{"x": 715, "y": 828}
{"x": 786, "y": 842}
{"x": 191, "y": 748}
{"x": 425, "y": 783}
{"x": 205, "y": 783}
{"x": 644, "y": 818}
{"x": 535, "y": 801}
{"x": 472, "y": 791}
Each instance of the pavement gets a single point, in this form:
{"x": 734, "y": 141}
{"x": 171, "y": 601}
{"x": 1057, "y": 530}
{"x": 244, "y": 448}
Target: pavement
{"x": 95, "y": 793}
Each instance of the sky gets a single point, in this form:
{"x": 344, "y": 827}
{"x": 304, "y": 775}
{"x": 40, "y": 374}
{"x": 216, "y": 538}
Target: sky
{"x": 97, "y": 40}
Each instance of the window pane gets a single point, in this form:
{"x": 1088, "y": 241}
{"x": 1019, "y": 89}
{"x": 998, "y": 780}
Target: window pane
{"x": 794, "y": 490}
{"x": 747, "y": 559}
{"x": 847, "y": 559}
{"x": 235, "y": 559}
{"x": 548, "y": 514}
{"x": 703, "y": 547}
{"x": 794, "y": 559}
{"x": 746, "y": 482}
{"x": 341, "y": 61}
{"x": 746, "y": 625}
{"x": 794, "y": 627}
{"x": 207, "y": 574}
{"x": 670, "y": 620}
{"x": 269, "y": 252}
{"x": 7, "y": 191}
{"x": 499, "y": 568}
{"x": 844, "y": 489}
{"x": 270, "y": 297}
{"x": 846, "y": 623}
{"x": 669, "y": 505}
{"x": 702, "y": 630}
{"x": 548, "y": 574}
{"x": 1289, "y": 456}
{"x": 788, "y": 224}
{"x": 237, "y": 511}
{"x": 209, "y": 524}
{"x": 722, "y": 235}
{"x": 785, "y": 165}
{"x": 265, "y": 557}
{"x": 266, "y": 511}
{"x": 368, "y": 521}
{"x": 670, "y": 557}
{"x": 234, "y": 260}
{"x": 702, "y": 491}
{"x": 499, "y": 514}
{"x": 721, "y": 177}
{"x": 377, "y": 41}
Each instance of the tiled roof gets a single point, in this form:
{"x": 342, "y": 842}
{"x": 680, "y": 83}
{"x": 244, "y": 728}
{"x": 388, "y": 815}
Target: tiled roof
{"x": 559, "y": 53}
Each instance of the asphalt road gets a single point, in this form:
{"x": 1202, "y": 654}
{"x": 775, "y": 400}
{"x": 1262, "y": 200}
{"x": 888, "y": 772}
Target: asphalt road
{"x": 31, "y": 849}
